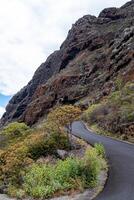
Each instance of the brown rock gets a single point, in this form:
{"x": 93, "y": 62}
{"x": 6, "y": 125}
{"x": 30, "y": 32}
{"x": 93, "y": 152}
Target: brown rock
{"x": 95, "y": 52}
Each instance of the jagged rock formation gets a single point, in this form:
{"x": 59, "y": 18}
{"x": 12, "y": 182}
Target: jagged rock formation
{"x": 97, "y": 50}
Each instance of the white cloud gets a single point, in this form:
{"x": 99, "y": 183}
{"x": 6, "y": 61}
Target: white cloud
{"x": 31, "y": 29}
{"x": 2, "y": 110}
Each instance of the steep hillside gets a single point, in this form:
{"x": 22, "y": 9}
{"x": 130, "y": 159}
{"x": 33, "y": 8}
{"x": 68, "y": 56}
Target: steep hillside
{"x": 96, "y": 51}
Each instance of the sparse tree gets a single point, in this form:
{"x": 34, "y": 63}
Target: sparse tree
{"x": 64, "y": 116}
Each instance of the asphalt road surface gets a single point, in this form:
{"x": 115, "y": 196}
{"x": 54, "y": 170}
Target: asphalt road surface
{"x": 120, "y": 183}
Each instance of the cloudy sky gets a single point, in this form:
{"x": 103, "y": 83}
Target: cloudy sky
{"x": 32, "y": 29}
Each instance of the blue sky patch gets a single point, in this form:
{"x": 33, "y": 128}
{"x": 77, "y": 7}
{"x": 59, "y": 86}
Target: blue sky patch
{"x": 4, "y": 100}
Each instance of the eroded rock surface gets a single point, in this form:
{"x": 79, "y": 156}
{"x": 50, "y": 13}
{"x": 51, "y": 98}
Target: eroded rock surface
{"x": 95, "y": 52}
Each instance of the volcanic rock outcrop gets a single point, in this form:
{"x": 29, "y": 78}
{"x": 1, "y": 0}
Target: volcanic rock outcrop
{"x": 96, "y": 51}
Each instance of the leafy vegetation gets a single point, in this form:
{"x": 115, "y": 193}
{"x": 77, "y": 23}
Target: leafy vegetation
{"x": 116, "y": 113}
{"x": 100, "y": 149}
{"x": 73, "y": 173}
{"x": 23, "y": 175}
{"x": 15, "y": 129}
{"x": 64, "y": 115}
{"x": 27, "y": 150}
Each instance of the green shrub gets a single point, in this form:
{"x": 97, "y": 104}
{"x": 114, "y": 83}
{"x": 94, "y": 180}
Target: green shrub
{"x": 116, "y": 111}
{"x": 15, "y": 129}
{"x": 38, "y": 181}
{"x": 44, "y": 144}
{"x": 114, "y": 98}
{"x": 67, "y": 170}
{"x": 18, "y": 155}
{"x": 100, "y": 149}
{"x": 92, "y": 162}
{"x": 37, "y": 145}
{"x": 119, "y": 83}
{"x": 42, "y": 181}
{"x": 86, "y": 116}
{"x": 15, "y": 191}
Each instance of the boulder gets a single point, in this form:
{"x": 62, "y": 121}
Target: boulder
{"x": 62, "y": 154}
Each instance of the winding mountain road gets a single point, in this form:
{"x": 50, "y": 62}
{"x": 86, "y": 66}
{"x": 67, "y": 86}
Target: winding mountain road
{"x": 120, "y": 183}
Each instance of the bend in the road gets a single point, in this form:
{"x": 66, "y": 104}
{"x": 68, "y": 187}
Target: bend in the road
{"x": 121, "y": 161}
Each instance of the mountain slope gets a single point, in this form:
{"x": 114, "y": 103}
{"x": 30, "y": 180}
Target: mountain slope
{"x": 96, "y": 51}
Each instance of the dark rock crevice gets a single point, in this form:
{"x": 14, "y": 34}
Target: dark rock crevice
{"x": 96, "y": 51}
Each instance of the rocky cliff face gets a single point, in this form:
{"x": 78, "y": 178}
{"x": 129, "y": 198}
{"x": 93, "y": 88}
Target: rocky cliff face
{"x": 96, "y": 51}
